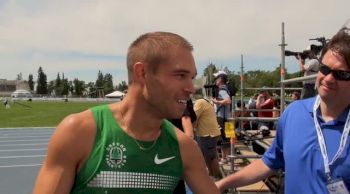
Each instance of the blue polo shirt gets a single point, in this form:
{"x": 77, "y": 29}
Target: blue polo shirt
{"x": 223, "y": 111}
{"x": 296, "y": 149}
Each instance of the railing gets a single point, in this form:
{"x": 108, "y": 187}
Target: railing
{"x": 253, "y": 119}
{"x": 300, "y": 79}
{"x": 233, "y": 156}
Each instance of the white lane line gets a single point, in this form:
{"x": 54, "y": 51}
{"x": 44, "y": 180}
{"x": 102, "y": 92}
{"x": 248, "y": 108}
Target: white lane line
{"x": 21, "y": 136}
{"x": 25, "y": 131}
{"x": 25, "y": 144}
{"x": 31, "y": 156}
{"x": 27, "y": 128}
{"x": 36, "y": 140}
{"x": 20, "y": 165}
{"x": 20, "y": 150}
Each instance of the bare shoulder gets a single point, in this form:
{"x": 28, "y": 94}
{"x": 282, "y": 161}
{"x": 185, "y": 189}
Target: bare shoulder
{"x": 78, "y": 125}
{"x": 74, "y": 136}
{"x": 68, "y": 149}
{"x": 78, "y": 121}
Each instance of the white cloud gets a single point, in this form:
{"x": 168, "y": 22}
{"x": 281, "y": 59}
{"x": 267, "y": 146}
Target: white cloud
{"x": 72, "y": 36}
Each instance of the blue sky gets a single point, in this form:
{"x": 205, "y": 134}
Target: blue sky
{"x": 81, "y": 37}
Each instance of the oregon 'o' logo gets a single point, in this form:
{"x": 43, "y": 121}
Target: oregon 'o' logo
{"x": 115, "y": 155}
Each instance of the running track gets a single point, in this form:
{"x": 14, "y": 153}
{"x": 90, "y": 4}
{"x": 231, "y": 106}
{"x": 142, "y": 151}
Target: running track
{"x": 22, "y": 151}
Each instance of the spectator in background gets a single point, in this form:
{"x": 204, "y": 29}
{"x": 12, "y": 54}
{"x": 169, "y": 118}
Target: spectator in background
{"x": 185, "y": 124}
{"x": 242, "y": 125}
{"x": 265, "y": 103}
{"x": 276, "y": 108}
{"x": 276, "y": 111}
{"x": 125, "y": 92}
{"x": 208, "y": 134}
{"x": 254, "y": 113}
{"x": 295, "y": 95}
{"x": 223, "y": 111}
{"x": 6, "y": 103}
{"x": 309, "y": 68}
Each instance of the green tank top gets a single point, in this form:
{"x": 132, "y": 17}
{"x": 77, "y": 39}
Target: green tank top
{"x": 116, "y": 164}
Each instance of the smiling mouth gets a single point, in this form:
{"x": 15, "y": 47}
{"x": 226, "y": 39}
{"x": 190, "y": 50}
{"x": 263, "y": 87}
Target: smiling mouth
{"x": 326, "y": 86}
{"x": 184, "y": 102}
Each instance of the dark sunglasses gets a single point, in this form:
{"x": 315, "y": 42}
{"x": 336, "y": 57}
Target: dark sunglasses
{"x": 337, "y": 74}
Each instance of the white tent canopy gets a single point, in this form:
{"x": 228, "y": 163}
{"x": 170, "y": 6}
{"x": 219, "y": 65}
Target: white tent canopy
{"x": 115, "y": 94}
{"x": 21, "y": 94}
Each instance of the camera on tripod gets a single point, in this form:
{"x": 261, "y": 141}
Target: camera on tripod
{"x": 214, "y": 89}
{"x": 314, "y": 51}
{"x": 207, "y": 86}
{"x": 311, "y": 52}
{"x": 303, "y": 55}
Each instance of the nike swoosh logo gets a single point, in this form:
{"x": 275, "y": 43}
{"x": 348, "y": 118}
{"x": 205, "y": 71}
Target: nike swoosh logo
{"x": 161, "y": 161}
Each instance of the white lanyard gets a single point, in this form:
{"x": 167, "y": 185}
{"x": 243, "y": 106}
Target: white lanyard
{"x": 343, "y": 140}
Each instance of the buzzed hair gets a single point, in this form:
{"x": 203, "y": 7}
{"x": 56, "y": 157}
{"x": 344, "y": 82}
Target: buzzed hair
{"x": 154, "y": 48}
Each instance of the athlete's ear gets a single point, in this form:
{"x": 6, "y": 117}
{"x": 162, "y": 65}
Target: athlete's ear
{"x": 139, "y": 72}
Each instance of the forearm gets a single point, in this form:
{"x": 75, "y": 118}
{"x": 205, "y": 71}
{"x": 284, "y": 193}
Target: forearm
{"x": 252, "y": 173}
{"x": 194, "y": 168}
{"x": 301, "y": 65}
{"x": 225, "y": 101}
{"x": 259, "y": 101}
{"x": 187, "y": 126}
{"x": 53, "y": 180}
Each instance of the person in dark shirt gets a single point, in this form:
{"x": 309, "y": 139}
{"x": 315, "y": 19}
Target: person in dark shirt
{"x": 185, "y": 124}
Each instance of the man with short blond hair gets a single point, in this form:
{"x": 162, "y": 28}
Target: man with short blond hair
{"x": 128, "y": 147}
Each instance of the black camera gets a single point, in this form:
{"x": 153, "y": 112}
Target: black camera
{"x": 303, "y": 55}
{"x": 206, "y": 86}
{"x": 313, "y": 51}
{"x": 214, "y": 89}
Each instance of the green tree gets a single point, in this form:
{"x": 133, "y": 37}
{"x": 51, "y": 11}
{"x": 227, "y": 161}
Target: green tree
{"x": 31, "y": 82}
{"x": 108, "y": 83}
{"x": 65, "y": 87}
{"x": 19, "y": 76}
{"x": 100, "y": 80}
{"x": 78, "y": 87}
{"x": 253, "y": 79}
{"x": 70, "y": 87}
{"x": 208, "y": 72}
{"x": 41, "y": 87}
{"x": 293, "y": 75}
{"x": 51, "y": 87}
{"x": 122, "y": 86}
{"x": 58, "y": 85}
{"x": 91, "y": 89}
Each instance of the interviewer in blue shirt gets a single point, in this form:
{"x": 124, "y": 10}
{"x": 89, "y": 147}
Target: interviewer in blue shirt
{"x": 312, "y": 144}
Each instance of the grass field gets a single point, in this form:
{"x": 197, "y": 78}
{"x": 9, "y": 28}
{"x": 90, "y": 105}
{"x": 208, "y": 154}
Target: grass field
{"x": 40, "y": 113}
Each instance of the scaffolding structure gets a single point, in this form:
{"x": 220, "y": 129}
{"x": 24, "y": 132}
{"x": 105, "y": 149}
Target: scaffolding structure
{"x": 235, "y": 153}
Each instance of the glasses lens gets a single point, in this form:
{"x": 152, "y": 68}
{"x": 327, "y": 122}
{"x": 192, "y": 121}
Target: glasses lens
{"x": 325, "y": 70}
{"x": 341, "y": 75}
{"x": 337, "y": 74}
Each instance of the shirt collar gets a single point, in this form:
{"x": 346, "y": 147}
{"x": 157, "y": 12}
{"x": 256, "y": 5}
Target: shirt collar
{"x": 341, "y": 119}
